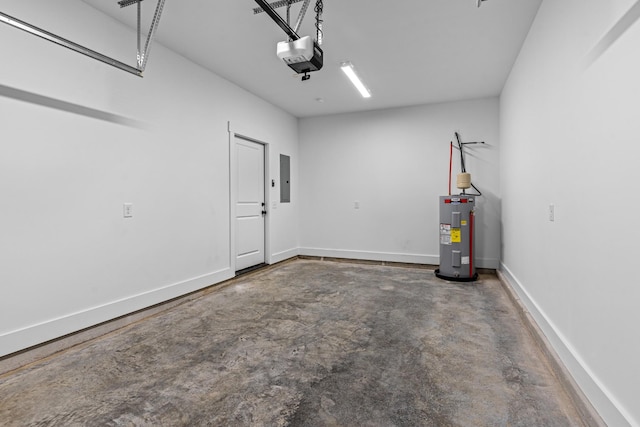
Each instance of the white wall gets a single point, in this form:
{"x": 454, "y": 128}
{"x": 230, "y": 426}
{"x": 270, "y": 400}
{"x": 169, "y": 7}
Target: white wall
{"x": 567, "y": 124}
{"x": 569, "y": 127}
{"x": 68, "y": 258}
{"x": 395, "y": 163}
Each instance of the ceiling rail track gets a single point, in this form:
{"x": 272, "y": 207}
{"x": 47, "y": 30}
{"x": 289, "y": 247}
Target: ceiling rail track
{"x": 32, "y": 29}
{"x": 142, "y": 55}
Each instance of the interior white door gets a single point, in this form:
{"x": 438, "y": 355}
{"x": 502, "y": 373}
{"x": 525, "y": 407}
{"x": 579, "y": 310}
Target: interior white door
{"x": 250, "y": 204}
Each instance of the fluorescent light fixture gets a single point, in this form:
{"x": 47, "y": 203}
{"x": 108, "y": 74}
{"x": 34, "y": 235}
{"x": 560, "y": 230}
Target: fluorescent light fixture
{"x": 347, "y": 68}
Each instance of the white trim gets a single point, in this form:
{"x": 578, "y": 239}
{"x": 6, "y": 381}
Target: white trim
{"x": 29, "y": 336}
{"x": 607, "y": 406}
{"x": 490, "y": 263}
{"x": 285, "y": 255}
{"x": 233, "y": 193}
{"x": 267, "y": 203}
{"x": 370, "y": 256}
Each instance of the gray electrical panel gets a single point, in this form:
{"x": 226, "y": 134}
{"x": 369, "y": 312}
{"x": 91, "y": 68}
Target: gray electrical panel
{"x": 285, "y": 178}
{"x": 457, "y": 216}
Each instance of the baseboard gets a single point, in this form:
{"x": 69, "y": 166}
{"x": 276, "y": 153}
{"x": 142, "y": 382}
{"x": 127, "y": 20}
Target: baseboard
{"x": 285, "y": 255}
{"x": 595, "y": 403}
{"x": 489, "y": 263}
{"x": 369, "y": 256}
{"x": 41, "y": 340}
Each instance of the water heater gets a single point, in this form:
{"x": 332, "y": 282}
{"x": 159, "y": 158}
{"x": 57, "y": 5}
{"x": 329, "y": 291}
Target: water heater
{"x": 457, "y": 215}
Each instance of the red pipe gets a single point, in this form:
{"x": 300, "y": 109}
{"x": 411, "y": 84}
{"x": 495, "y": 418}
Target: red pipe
{"x": 471, "y": 217}
{"x": 450, "y": 164}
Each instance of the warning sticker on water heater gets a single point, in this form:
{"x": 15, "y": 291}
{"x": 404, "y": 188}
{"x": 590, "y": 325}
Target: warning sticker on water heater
{"x": 445, "y": 234}
{"x": 456, "y": 235}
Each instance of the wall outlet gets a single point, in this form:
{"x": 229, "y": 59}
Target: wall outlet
{"x": 127, "y": 210}
{"x": 552, "y": 212}
{"x": 356, "y": 205}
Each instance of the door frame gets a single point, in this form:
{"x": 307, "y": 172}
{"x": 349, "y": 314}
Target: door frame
{"x": 233, "y": 197}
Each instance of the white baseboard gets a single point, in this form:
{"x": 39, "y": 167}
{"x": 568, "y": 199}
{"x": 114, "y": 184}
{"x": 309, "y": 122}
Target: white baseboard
{"x": 285, "y": 255}
{"x": 370, "y": 256}
{"x": 602, "y": 399}
{"x": 390, "y": 257}
{"x": 33, "y": 335}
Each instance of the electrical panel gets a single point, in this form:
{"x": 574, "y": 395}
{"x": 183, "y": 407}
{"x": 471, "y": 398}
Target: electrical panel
{"x": 285, "y": 179}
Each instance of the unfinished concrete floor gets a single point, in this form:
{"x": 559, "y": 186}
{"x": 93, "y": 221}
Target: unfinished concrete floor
{"x": 307, "y": 343}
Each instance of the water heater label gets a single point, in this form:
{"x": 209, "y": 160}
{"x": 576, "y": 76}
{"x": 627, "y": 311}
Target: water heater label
{"x": 465, "y": 260}
{"x": 445, "y": 234}
{"x": 456, "y": 236}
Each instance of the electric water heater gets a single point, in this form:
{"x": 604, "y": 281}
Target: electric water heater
{"x": 456, "y": 238}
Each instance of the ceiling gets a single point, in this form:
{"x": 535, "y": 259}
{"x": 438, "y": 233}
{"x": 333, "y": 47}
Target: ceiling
{"x": 408, "y": 52}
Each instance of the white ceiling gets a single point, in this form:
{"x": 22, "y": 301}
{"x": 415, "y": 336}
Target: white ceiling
{"x": 408, "y": 52}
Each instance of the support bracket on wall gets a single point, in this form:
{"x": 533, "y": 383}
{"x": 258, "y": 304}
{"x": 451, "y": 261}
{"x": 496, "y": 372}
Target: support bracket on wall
{"x": 142, "y": 54}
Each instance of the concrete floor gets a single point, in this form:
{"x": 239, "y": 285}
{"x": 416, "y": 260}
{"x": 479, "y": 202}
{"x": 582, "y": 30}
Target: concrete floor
{"x": 307, "y": 343}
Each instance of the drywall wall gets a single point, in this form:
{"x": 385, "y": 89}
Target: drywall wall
{"x": 370, "y": 181}
{"x": 568, "y": 138}
{"x": 80, "y": 139}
